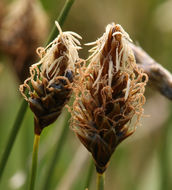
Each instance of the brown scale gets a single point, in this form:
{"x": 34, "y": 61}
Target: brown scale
{"x": 63, "y": 64}
{"x": 47, "y": 101}
{"x": 20, "y": 34}
{"x": 102, "y": 122}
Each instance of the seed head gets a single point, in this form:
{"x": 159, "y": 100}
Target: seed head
{"x": 23, "y": 29}
{"x": 2, "y": 8}
{"x": 109, "y": 96}
{"x": 50, "y": 85}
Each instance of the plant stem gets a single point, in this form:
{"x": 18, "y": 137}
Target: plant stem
{"x": 100, "y": 182}
{"x": 56, "y": 156}
{"x": 23, "y": 108}
{"x": 34, "y": 161}
{"x": 12, "y": 136}
{"x": 61, "y": 19}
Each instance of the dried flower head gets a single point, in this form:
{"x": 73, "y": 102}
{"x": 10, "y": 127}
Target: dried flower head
{"x": 23, "y": 29}
{"x": 2, "y": 7}
{"x": 109, "y": 96}
{"x": 49, "y": 86}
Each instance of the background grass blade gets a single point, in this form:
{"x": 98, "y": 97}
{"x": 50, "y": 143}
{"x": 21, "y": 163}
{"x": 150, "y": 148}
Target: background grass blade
{"x": 59, "y": 146}
{"x": 91, "y": 170}
{"x": 61, "y": 19}
{"x": 164, "y": 155}
{"x": 74, "y": 170}
{"x": 12, "y": 136}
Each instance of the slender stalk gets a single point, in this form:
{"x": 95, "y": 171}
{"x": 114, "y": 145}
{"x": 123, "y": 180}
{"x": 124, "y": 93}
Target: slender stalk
{"x": 23, "y": 108}
{"x": 34, "y": 161}
{"x": 12, "y": 136}
{"x": 89, "y": 174}
{"x": 61, "y": 19}
{"x": 56, "y": 156}
{"x": 100, "y": 182}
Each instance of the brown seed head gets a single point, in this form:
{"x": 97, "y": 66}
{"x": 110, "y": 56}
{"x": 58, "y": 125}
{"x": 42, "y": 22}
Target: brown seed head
{"x": 2, "y": 10}
{"x": 109, "y": 96}
{"x": 49, "y": 87}
{"x": 23, "y": 29}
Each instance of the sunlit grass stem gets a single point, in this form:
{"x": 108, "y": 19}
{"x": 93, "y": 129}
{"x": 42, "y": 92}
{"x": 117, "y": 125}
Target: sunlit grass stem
{"x": 20, "y": 115}
{"x": 34, "y": 162}
{"x": 61, "y": 19}
{"x": 100, "y": 182}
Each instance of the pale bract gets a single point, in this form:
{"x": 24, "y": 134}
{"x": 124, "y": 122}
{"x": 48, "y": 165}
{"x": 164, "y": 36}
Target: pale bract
{"x": 48, "y": 62}
{"x": 125, "y": 60}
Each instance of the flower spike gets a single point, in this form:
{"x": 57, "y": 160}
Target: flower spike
{"x": 50, "y": 83}
{"x": 109, "y": 96}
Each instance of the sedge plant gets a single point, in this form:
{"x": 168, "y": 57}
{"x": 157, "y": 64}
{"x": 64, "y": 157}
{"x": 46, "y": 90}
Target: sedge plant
{"x": 49, "y": 86}
{"x": 109, "y": 97}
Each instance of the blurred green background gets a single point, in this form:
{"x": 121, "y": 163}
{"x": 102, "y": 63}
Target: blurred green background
{"x": 143, "y": 161}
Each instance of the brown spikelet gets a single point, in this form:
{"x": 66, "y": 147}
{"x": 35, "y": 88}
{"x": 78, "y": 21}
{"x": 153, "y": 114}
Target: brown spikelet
{"x": 23, "y": 29}
{"x": 49, "y": 87}
{"x": 2, "y": 10}
{"x": 109, "y": 96}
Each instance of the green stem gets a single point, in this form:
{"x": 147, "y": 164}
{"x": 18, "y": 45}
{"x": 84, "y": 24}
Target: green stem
{"x": 100, "y": 182}
{"x": 89, "y": 174}
{"x": 61, "y": 19}
{"x": 34, "y": 161}
{"x": 23, "y": 108}
{"x": 56, "y": 156}
{"x": 12, "y": 136}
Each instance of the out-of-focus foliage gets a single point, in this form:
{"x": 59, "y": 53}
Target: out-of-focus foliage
{"x": 20, "y": 34}
{"x": 143, "y": 162}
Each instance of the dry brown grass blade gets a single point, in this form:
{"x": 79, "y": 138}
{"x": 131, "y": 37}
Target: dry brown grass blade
{"x": 159, "y": 77}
